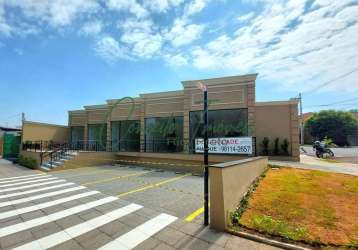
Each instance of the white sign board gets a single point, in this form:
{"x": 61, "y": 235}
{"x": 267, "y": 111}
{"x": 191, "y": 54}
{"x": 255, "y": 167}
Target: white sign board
{"x": 230, "y": 145}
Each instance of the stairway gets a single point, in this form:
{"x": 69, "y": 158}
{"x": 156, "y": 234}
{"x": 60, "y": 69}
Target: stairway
{"x": 58, "y": 161}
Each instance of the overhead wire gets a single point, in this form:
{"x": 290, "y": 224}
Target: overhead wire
{"x": 329, "y": 82}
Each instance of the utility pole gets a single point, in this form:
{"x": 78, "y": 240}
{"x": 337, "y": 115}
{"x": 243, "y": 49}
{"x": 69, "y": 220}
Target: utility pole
{"x": 301, "y": 116}
{"x": 22, "y": 117}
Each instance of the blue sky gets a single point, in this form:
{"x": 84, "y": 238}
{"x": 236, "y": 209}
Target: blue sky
{"x": 59, "y": 55}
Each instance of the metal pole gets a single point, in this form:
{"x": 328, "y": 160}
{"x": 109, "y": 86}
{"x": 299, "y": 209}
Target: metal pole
{"x": 206, "y": 162}
{"x": 301, "y": 116}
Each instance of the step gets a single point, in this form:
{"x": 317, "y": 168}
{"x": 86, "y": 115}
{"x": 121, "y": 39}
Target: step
{"x": 43, "y": 167}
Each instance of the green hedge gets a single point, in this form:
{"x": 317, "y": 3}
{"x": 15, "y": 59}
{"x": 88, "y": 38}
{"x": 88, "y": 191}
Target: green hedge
{"x": 27, "y": 162}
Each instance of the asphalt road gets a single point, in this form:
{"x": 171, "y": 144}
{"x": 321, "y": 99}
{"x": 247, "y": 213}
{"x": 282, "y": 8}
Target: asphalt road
{"x": 349, "y": 155}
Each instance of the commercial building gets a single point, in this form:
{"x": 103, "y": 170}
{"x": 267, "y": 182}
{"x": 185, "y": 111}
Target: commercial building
{"x": 171, "y": 122}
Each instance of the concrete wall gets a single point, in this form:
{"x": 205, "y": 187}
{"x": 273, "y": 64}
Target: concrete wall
{"x": 176, "y": 162}
{"x": 278, "y": 120}
{"x": 33, "y": 155}
{"x": 34, "y": 131}
{"x": 89, "y": 159}
{"x": 229, "y": 182}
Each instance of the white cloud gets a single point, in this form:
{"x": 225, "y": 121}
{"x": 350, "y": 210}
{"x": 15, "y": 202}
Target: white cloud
{"x": 131, "y": 6}
{"x": 195, "y": 7}
{"x": 177, "y": 60}
{"x": 182, "y": 33}
{"x": 288, "y": 45}
{"x": 57, "y": 13}
{"x": 91, "y": 28}
{"x": 246, "y": 17}
{"x": 5, "y": 29}
{"x": 141, "y": 38}
{"x": 110, "y": 50}
{"x": 161, "y": 5}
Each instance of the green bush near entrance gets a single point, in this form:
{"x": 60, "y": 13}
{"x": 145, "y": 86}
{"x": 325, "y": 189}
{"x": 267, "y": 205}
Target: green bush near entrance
{"x": 27, "y": 162}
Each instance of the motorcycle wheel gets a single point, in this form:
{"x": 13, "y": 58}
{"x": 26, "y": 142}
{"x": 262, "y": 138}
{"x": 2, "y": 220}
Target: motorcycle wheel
{"x": 318, "y": 154}
{"x": 330, "y": 153}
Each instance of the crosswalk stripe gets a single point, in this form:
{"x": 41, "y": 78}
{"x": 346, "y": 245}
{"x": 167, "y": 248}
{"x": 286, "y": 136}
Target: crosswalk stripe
{"x": 35, "y": 190}
{"x": 40, "y": 196}
{"x": 30, "y": 186}
{"x": 27, "y": 182}
{"x": 80, "y": 229}
{"x": 53, "y": 217}
{"x": 26, "y": 178}
{"x": 139, "y": 234}
{"x": 18, "y": 177}
{"x": 46, "y": 204}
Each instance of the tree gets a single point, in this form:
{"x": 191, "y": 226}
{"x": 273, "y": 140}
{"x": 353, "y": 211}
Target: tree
{"x": 336, "y": 125}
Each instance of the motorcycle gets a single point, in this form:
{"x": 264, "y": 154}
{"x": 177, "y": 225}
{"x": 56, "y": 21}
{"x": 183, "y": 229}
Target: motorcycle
{"x": 322, "y": 150}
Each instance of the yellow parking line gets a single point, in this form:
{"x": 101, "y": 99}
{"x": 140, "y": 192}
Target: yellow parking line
{"x": 152, "y": 186}
{"x": 115, "y": 178}
{"x": 192, "y": 216}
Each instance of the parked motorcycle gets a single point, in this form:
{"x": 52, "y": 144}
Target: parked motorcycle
{"x": 322, "y": 150}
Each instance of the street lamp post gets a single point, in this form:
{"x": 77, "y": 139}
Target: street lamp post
{"x": 206, "y": 160}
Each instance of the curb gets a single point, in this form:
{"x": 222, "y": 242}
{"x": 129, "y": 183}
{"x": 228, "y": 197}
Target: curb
{"x": 267, "y": 241}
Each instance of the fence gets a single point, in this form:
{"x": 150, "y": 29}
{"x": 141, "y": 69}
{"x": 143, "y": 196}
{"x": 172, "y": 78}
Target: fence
{"x": 169, "y": 145}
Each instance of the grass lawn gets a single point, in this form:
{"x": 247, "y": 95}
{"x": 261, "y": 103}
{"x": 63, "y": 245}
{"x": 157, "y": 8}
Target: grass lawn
{"x": 305, "y": 205}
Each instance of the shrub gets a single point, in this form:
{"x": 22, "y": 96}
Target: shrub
{"x": 284, "y": 147}
{"x": 276, "y": 148}
{"x": 265, "y": 146}
{"x": 329, "y": 142}
{"x": 27, "y": 162}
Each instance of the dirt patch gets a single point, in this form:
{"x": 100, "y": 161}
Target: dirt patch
{"x": 305, "y": 205}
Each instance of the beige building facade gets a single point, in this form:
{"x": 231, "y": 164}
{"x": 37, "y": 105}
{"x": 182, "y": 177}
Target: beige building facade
{"x": 172, "y": 121}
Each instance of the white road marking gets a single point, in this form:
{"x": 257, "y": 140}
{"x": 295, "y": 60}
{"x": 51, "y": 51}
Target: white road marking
{"x": 26, "y": 179}
{"x": 45, "y": 205}
{"x": 36, "y": 190}
{"x": 77, "y": 230}
{"x": 27, "y": 182}
{"x": 18, "y": 177}
{"x": 40, "y": 196}
{"x": 53, "y": 217}
{"x": 30, "y": 186}
{"x": 139, "y": 234}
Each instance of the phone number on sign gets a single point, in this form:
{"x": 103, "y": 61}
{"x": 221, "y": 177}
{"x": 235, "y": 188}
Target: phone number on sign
{"x": 235, "y": 149}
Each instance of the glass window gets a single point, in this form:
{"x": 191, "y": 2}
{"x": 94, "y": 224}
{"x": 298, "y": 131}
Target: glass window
{"x": 97, "y": 137}
{"x": 126, "y": 136}
{"x": 222, "y": 123}
{"x": 164, "y": 134}
{"x": 77, "y": 137}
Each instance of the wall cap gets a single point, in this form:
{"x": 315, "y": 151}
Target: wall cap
{"x": 247, "y": 79}
{"x": 43, "y": 123}
{"x": 162, "y": 94}
{"x": 273, "y": 103}
{"x": 234, "y": 163}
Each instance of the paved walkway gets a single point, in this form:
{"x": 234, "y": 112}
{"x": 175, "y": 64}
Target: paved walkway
{"x": 42, "y": 211}
{"x": 310, "y": 162}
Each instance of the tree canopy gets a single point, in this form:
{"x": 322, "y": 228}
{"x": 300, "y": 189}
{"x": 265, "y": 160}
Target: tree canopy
{"x": 336, "y": 125}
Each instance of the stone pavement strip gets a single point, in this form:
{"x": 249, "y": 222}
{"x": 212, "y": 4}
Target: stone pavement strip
{"x": 310, "y": 162}
{"x": 54, "y": 216}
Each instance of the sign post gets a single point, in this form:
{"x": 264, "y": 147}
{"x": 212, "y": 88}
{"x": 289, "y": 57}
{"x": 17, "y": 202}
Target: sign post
{"x": 206, "y": 160}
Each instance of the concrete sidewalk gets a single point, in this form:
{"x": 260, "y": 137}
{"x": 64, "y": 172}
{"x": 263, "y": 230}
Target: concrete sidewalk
{"x": 43, "y": 216}
{"x": 310, "y": 162}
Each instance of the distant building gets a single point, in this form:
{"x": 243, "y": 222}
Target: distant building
{"x": 6, "y": 130}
